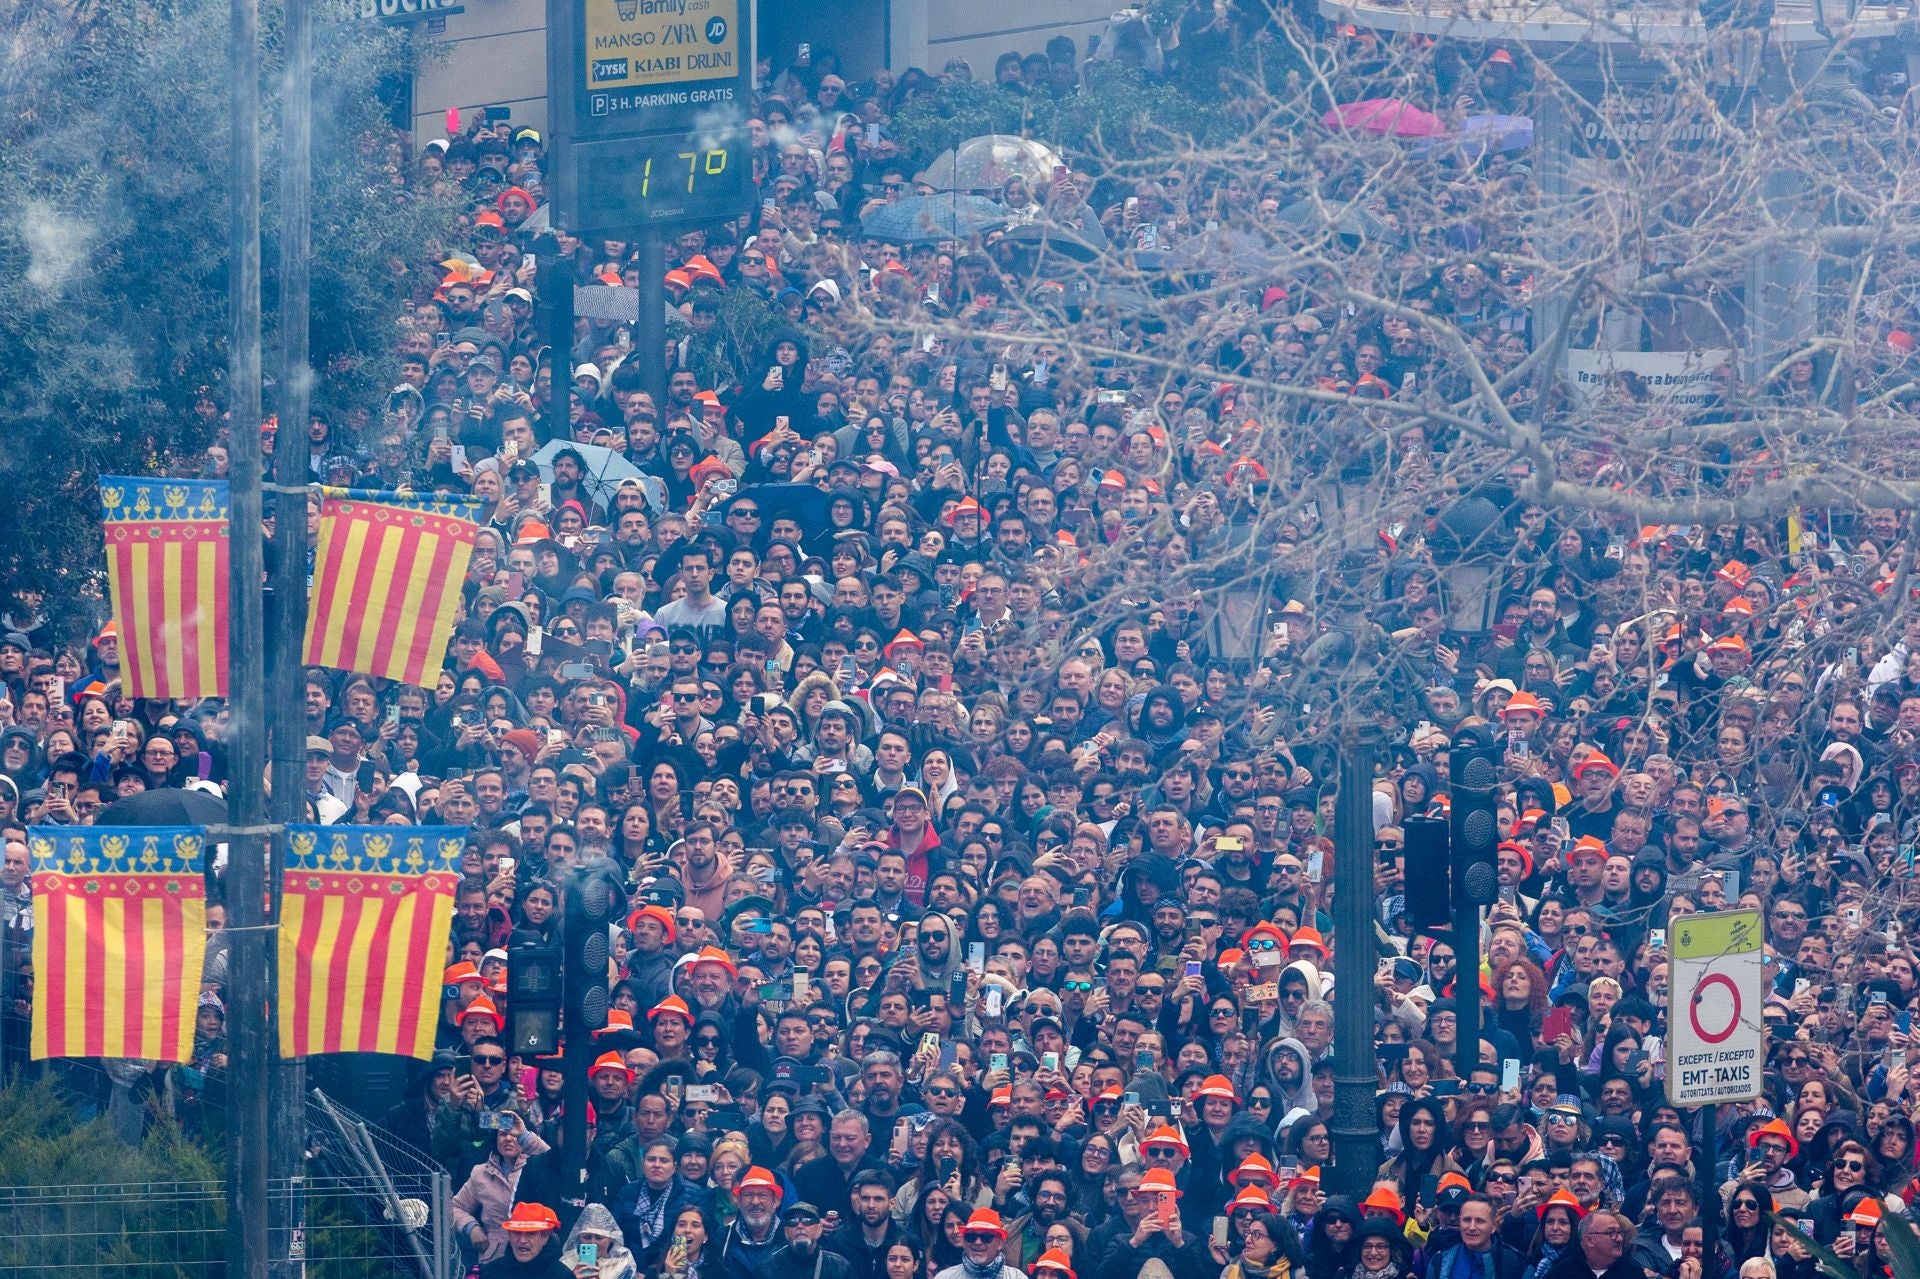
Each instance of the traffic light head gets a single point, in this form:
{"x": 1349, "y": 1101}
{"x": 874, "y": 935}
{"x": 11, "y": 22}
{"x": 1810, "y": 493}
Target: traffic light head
{"x": 591, "y": 900}
{"x": 1474, "y": 771}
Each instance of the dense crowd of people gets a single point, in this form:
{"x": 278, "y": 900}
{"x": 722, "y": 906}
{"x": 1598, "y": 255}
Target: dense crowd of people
{"x": 980, "y": 893}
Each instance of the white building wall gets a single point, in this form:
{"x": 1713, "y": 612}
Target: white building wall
{"x": 494, "y": 53}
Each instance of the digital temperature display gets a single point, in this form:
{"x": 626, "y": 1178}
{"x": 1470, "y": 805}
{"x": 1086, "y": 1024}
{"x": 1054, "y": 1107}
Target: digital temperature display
{"x": 631, "y": 182}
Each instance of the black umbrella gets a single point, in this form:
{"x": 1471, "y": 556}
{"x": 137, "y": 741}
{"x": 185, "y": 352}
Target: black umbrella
{"x": 168, "y": 806}
{"x": 1050, "y": 238}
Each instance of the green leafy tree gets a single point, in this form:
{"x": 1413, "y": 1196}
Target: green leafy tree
{"x": 79, "y": 1199}
{"x": 113, "y": 215}
{"x": 1120, "y": 115}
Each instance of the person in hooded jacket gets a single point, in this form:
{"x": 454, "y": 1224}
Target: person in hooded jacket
{"x": 596, "y": 1226}
{"x": 20, "y": 757}
{"x": 777, "y": 389}
{"x": 1380, "y": 1251}
{"x": 1333, "y": 1243}
{"x": 938, "y": 953}
{"x": 411, "y": 1120}
{"x": 200, "y": 756}
{"x": 1162, "y": 723}
{"x": 1143, "y": 882}
{"x": 1292, "y": 1088}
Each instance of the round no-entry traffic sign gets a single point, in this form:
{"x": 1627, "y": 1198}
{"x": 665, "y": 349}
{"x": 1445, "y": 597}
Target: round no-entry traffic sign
{"x": 1700, "y": 996}
{"x": 1717, "y": 1051}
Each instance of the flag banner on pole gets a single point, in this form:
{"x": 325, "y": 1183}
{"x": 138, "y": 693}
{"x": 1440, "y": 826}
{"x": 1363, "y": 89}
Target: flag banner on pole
{"x": 386, "y": 582}
{"x": 167, "y": 577}
{"x": 119, "y": 939}
{"x": 364, "y": 917}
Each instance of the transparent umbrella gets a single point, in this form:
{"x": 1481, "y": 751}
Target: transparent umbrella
{"x": 986, "y": 162}
{"x": 603, "y": 473}
{"x": 923, "y": 219}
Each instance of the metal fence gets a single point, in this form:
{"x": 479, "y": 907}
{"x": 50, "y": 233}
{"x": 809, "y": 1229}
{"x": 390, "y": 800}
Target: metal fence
{"x": 178, "y": 1231}
{"x": 369, "y": 1207}
{"x": 116, "y": 1232}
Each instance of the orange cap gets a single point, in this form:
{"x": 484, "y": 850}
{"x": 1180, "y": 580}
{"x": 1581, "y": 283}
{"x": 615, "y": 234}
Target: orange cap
{"x": 1160, "y": 1179}
{"x": 672, "y": 1005}
{"x": 530, "y": 1219}
{"x": 611, "y": 1061}
{"x": 482, "y": 1005}
{"x": 758, "y": 1178}
{"x": 1217, "y": 1086}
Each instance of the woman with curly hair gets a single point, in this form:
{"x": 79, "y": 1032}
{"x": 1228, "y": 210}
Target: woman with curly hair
{"x": 964, "y": 1185}
{"x": 1520, "y": 998}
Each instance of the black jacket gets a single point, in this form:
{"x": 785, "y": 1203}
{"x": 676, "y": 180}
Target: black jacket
{"x": 821, "y": 1183}
{"x": 868, "y": 1262}
{"x": 1572, "y": 1264}
{"x": 822, "y": 1265}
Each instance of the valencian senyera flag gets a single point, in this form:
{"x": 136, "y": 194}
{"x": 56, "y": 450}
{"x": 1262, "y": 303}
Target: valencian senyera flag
{"x": 386, "y": 581}
{"x": 120, "y": 937}
{"x": 167, "y": 576}
{"x": 364, "y": 917}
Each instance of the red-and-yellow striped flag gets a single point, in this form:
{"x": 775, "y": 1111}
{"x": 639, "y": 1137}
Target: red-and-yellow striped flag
{"x": 386, "y": 582}
{"x": 364, "y": 918}
{"x": 167, "y": 576}
{"x": 119, "y": 940}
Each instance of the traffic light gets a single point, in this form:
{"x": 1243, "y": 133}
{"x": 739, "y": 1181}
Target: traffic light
{"x": 1474, "y": 769}
{"x": 1428, "y": 875}
{"x": 533, "y": 994}
{"x": 591, "y": 900}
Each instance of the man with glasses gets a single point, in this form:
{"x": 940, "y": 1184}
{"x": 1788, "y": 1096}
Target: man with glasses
{"x": 1607, "y": 1242}
{"x": 459, "y": 1142}
{"x": 802, "y": 1258}
{"x": 1773, "y": 1146}
{"x": 983, "y": 1243}
{"x": 1787, "y": 925}
{"x": 942, "y": 1092}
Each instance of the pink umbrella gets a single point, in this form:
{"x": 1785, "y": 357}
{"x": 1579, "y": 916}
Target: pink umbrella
{"x": 1385, "y": 115}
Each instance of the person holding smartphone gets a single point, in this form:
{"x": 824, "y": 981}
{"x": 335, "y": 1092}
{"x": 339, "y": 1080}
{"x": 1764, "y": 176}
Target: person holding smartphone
{"x": 483, "y": 1203}
{"x": 597, "y": 1249}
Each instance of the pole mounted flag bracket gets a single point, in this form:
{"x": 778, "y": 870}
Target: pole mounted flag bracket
{"x": 220, "y": 833}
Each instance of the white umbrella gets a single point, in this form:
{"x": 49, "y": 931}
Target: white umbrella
{"x": 603, "y": 473}
{"x": 986, "y": 162}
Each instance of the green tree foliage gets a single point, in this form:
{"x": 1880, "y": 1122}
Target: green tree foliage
{"x": 1120, "y": 115}
{"x": 113, "y": 214}
{"x": 79, "y": 1197}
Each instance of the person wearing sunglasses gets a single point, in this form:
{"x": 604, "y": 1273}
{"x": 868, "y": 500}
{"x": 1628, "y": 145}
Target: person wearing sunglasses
{"x": 1749, "y": 1220}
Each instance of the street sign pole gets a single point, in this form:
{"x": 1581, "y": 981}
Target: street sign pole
{"x": 251, "y": 1052}
{"x": 1716, "y": 1039}
{"x": 287, "y": 1153}
{"x": 650, "y": 335}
